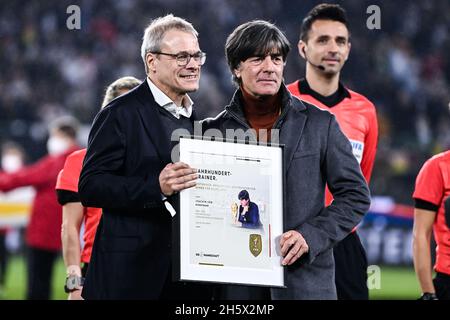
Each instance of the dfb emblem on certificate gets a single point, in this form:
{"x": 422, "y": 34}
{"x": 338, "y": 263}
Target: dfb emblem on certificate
{"x": 255, "y": 244}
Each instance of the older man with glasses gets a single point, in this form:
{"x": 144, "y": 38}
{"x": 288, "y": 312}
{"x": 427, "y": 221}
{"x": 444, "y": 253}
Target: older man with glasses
{"x": 128, "y": 171}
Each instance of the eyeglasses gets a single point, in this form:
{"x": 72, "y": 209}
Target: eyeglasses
{"x": 183, "y": 58}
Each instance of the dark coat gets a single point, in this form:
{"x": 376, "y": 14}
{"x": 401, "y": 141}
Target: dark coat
{"x": 128, "y": 147}
{"x": 316, "y": 153}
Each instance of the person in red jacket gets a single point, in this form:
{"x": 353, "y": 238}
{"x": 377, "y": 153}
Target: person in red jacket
{"x": 44, "y": 228}
{"x": 325, "y": 45}
{"x": 74, "y": 214}
{"x": 432, "y": 215}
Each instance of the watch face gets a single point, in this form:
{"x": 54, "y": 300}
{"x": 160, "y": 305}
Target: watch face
{"x": 72, "y": 282}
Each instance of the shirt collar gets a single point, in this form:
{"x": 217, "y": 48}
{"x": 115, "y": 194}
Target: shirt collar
{"x": 166, "y": 103}
{"x": 329, "y": 101}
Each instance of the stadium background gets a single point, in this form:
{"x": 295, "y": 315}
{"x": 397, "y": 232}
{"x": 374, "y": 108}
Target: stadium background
{"x": 48, "y": 70}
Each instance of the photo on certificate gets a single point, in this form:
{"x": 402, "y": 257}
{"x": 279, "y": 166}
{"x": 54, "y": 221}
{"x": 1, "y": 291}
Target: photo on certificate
{"x": 231, "y": 221}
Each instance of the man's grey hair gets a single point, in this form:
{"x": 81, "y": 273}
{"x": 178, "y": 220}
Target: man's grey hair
{"x": 154, "y": 33}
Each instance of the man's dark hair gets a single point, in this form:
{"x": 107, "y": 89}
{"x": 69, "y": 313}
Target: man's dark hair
{"x": 324, "y": 11}
{"x": 252, "y": 39}
{"x": 243, "y": 195}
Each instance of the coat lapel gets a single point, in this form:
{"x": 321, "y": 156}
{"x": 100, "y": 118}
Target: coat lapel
{"x": 153, "y": 123}
{"x": 292, "y": 130}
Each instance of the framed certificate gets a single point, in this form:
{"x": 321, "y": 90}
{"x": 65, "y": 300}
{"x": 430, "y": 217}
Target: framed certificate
{"x": 229, "y": 224}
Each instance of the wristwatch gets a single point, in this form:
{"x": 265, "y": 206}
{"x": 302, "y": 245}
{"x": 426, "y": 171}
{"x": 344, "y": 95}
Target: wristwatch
{"x": 428, "y": 296}
{"x": 73, "y": 282}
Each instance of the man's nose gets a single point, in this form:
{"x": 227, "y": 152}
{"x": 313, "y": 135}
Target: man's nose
{"x": 192, "y": 64}
{"x": 268, "y": 64}
{"x": 333, "y": 47}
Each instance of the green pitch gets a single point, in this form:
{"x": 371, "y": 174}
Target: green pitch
{"x": 15, "y": 286}
{"x": 397, "y": 283}
{"x": 394, "y": 283}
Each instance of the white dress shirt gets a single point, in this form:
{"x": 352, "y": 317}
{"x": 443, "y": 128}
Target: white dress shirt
{"x": 165, "y": 102}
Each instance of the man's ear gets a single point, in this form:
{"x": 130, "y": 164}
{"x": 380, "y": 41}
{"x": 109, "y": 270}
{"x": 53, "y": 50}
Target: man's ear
{"x": 349, "y": 48}
{"x": 302, "y": 48}
{"x": 237, "y": 73}
{"x": 150, "y": 59}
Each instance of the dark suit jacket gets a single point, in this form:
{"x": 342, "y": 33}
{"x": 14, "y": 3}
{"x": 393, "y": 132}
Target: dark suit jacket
{"x": 127, "y": 149}
{"x": 316, "y": 153}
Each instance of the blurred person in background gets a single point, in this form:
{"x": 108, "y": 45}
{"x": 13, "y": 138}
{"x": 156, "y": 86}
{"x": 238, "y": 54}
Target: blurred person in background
{"x": 74, "y": 214}
{"x": 432, "y": 215}
{"x": 43, "y": 234}
{"x": 12, "y": 159}
{"x": 325, "y": 46}
{"x": 128, "y": 171}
